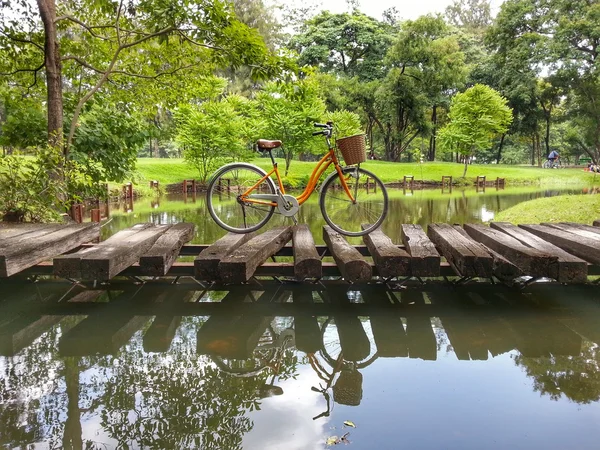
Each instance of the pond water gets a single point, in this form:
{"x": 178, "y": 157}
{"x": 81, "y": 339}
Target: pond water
{"x": 170, "y": 367}
{"x": 418, "y": 206}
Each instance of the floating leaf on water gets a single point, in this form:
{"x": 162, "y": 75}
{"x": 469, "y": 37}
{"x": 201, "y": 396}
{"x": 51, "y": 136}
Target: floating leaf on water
{"x": 349, "y": 423}
{"x": 332, "y": 440}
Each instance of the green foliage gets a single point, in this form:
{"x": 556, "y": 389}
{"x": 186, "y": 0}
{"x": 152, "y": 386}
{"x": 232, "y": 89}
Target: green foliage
{"x": 24, "y": 126}
{"x": 106, "y": 143}
{"x": 215, "y": 132}
{"x": 345, "y": 123}
{"x": 36, "y": 189}
{"x": 476, "y": 117}
{"x": 289, "y": 110}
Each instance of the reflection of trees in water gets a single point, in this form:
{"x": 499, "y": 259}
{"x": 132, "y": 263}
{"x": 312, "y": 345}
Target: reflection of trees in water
{"x": 170, "y": 400}
{"x": 574, "y": 377}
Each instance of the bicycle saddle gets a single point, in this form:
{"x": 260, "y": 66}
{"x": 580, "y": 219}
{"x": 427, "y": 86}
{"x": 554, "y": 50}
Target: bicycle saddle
{"x": 264, "y": 144}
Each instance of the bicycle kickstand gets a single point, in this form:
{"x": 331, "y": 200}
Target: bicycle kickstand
{"x": 295, "y": 220}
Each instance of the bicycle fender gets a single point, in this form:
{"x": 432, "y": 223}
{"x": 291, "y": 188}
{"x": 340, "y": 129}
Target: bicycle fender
{"x": 227, "y": 166}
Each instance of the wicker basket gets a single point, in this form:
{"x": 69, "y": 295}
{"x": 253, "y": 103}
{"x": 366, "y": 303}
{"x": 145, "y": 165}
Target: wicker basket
{"x": 353, "y": 149}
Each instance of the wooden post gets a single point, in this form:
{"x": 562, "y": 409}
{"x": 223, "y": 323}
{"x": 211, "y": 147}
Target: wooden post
{"x": 446, "y": 180}
{"x": 77, "y": 212}
{"x": 95, "y": 215}
{"x": 410, "y": 178}
{"x": 184, "y": 187}
{"x": 194, "y": 186}
{"x": 480, "y": 181}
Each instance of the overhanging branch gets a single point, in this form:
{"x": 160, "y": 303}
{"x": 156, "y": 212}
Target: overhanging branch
{"x": 25, "y": 41}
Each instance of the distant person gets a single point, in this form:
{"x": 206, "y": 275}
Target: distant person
{"x": 553, "y": 156}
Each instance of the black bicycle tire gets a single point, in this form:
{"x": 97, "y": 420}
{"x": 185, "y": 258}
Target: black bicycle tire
{"x": 336, "y": 227}
{"x": 215, "y": 178}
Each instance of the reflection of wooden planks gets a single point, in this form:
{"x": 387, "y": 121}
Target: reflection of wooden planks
{"x": 585, "y": 248}
{"x": 240, "y": 265}
{"x": 161, "y": 256}
{"x": 160, "y": 334}
{"x": 206, "y": 265}
{"x": 533, "y": 262}
{"x": 308, "y": 332}
{"x": 566, "y": 269}
{"x": 307, "y": 262}
{"x": 425, "y": 260}
{"x": 352, "y": 265}
{"x": 502, "y": 268}
{"x": 388, "y": 330}
{"x": 21, "y": 330}
{"x": 104, "y": 332}
{"x": 390, "y": 260}
{"x": 29, "y": 249}
{"x": 467, "y": 260}
{"x": 421, "y": 340}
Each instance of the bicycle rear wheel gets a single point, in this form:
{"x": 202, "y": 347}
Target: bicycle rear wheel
{"x": 370, "y": 206}
{"x": 225, "y": 204}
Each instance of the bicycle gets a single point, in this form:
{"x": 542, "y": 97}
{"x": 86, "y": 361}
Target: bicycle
{"x": 350, "y": 203}
{"x": 551, "y": 164}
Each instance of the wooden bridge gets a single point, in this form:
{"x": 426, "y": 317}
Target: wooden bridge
{"x": 565, "y": 252}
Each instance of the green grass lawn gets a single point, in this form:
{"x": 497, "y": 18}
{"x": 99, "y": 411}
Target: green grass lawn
{"x": 565, "y": 208}
{"x": 169, "y": 171}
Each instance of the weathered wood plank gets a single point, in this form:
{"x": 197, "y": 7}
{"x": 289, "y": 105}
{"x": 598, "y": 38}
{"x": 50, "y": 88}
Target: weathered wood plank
{"x": 585, "y": 248}
{"x": 425, "y": 260}
{"x": 352, "y": 265}
{"x": 29, "y": 252}
{"x": 567, "y": 228}
{"x": 206, "y": 264}
{"x": 467, "y": 259}
{"x": 533, "y": 262}
{"x": 69, "y": 266}
{"x": 14, "y": 233}
{"x": 107, "y": 261}
{"x": 161, "y": 256}
{"x": 240, "y": 265}
{"x": 595, "y": 230}
{"x": 307, "y": 262}
{"x": 502, "y": 268}
{"x": 567, "y": 269}
{"x": 390, "y": 260}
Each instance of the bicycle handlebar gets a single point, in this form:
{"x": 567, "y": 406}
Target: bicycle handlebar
{"x": 322, "y": 125}
{"x": 316, "y": 133}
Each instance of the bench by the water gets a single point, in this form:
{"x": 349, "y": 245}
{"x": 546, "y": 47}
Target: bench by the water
{"x": 565, "y": 252}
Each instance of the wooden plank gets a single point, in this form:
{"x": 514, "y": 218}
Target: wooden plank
{"x": 595, "y": 230}
{"x": 69, "y": 266}
{"x": 468, "y": 260}
{"x": 531, "y": 261}
{"x": 240, "y": 265}
{"x": 206, "y": 265}
{"x": 390, "y": 260}
{"x": 425, "y": 260}
{"x": 161, "y": 256}
{"x": 585, "y": 248}
{"x": 502, "y": 268}
{"x": 567, "y": 269}
{"x": 31, "y": 251}
{"x": 574, "y": 229}
{"x": 307, "y": 262}
{"x": 11, "y": 234}
{"x": 107, "y": 261}
{"x": 352, "y": 265}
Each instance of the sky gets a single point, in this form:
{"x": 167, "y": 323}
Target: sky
{"x": 409, "y": 9}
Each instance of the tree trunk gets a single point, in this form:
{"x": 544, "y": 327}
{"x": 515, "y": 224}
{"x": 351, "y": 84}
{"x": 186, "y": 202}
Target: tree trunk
{"x": 432, "y": 139}
{"x": 547, "y": 137}
{"x": 500, "y": 149}
{"x": 466, "y": 166}
{"x": 53, "y": 72}
{"x": 538, "y": 148}
{"x": 533, "y": 150}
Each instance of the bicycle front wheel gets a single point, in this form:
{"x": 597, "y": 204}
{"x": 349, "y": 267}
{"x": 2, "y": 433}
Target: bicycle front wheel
{"x": 369, "y": 207}
{"x": 225, "y": 204}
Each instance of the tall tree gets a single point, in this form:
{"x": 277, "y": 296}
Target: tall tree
{"x": 476, "y": 117}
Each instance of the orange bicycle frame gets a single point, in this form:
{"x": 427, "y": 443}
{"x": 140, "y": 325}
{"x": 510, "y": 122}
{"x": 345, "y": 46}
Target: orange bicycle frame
{"x": 314, "y": 178}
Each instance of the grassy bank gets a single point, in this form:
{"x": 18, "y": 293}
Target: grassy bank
{"x": 169, "y": 171}
{"x": 567, "y": 208}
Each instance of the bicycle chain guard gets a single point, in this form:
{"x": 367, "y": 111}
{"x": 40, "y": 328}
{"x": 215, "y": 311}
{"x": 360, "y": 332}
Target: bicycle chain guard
{"x": 287, "y": 205}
